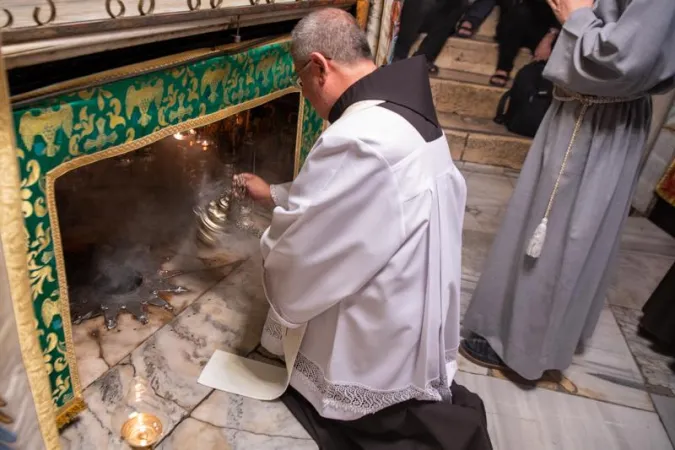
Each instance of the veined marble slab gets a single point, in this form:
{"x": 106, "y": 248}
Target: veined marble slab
{"x": 638, "y": 276}
{"x": 540, "y": 419}
{"x": 229, "y": 317}
{"x": 94, "y": 428}
{"x": 641, "y": 235}
{"x": 227, "y": 421}
{"x": 605, "y": 370}
{"x": 657, "y": 369}
{"x": 665, "y": 407}
{"x": 484, "y": 189}
{"x": 475, "y": 250}
{"x": 97, "y": 348}
{"x": 192, "y": 433}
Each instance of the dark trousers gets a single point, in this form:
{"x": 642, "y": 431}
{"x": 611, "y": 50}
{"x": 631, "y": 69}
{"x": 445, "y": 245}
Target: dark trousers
{"x": 524, "y": 25}
{"x": 478, "y": 12}
{"x": 439, "y": 19}
{"x": 412, "y": 19}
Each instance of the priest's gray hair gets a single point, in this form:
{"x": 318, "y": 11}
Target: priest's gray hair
{"x": 332, "y": 32}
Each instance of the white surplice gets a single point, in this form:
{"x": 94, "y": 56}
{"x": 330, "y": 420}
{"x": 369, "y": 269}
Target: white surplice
{"x": 365, "y": 247}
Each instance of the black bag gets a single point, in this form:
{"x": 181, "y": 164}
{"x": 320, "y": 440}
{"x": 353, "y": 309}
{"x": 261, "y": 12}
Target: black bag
{"x": 528, "y": 100}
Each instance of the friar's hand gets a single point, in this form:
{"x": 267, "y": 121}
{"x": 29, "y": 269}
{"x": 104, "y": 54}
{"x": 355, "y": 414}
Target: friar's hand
{"x": 255, "y": 187}
{"x": 564, "y": 8}
{"x": 545, "y": 47}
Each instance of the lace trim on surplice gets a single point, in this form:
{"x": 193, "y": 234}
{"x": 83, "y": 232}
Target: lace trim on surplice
{"x": 363, "y": 399}
{"x": 273, "y": 329}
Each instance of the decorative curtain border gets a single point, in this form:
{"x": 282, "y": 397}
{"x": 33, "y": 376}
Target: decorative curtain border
{"x": 666, "y": 187}
{"x": 373, "y": 24}
{"x": 104, "y": 119}
{"x": 14, "y": 242}
{"x": 388, "y": 30}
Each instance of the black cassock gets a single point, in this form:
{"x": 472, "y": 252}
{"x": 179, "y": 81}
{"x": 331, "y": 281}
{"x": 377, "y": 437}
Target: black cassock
{"x": 659, "y": 312}
{"x": 460, "y": 424}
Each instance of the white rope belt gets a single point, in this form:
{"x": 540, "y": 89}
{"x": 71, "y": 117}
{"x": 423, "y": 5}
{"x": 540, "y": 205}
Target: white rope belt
{"x": 536, "y": 244}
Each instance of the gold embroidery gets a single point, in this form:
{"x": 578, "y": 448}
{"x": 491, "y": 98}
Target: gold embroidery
{"x": 40, "y": 207}
{"x": 143, "y": 98}
{"x": 33, "y": 169}
{"x": 115, "y": 116}
{"x": 40, "y": 271}
{"x": 102, "y": 139}
{"x": 211, "y": 79}
{"x": 46, "y": 124}
{"x": 50, "y": 309}
{"x": 181, "y": 111}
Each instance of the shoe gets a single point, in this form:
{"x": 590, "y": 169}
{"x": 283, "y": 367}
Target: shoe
{"x": 477, "y": 350}
{"x": 432, "y": 68}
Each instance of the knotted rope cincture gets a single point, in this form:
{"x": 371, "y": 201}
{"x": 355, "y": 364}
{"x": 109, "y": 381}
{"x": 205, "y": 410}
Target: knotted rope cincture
{"x": 536, "y": 244}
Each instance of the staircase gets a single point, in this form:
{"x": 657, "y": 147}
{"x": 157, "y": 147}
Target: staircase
{"x": 466, "y": 102}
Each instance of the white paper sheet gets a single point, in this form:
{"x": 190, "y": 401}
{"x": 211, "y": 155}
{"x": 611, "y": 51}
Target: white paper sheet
{"x": 242, "y": 376}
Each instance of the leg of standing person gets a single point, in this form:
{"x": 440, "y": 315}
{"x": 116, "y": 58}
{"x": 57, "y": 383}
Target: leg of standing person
{"x": 474, "y": 17}
{"x": 442, "y": 26}
{"x": 512, "y": 34}
{"x": 412, "y": 17}
{"x": 542, "y": 22}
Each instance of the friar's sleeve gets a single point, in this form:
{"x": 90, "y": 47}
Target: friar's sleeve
{"x": 625, "y": 58}
{"x": 343, "y": 224}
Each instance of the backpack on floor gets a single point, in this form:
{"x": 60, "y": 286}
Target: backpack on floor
{"x": 528, "y": 100}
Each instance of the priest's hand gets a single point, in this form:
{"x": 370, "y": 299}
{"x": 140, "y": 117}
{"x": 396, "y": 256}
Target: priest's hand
{"x": 255, "y": 187}
{"x": 564, "y": 8}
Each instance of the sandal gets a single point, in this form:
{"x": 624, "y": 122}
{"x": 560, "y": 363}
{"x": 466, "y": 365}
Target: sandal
{"x": 465, "y": 30}
{"x": 499, "y": 80}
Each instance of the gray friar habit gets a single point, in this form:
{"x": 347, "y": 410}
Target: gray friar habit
{"x": 544, "y": 284}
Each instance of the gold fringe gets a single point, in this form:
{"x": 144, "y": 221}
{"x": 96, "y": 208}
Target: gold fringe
{"x": 661, "y": 187}
{"x": 14, "y": 245}
{"x": 69, "y": 411}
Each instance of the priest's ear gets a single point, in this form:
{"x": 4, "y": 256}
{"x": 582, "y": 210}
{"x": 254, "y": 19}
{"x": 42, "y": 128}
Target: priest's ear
{"x": 321, "y": 65}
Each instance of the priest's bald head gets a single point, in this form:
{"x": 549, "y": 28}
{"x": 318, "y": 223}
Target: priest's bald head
{"x": 330, "y": 53}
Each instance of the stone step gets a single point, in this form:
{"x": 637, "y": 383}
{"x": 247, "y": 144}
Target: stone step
{"x": 477, "y": 55}
{"x": 481, "y": 141}
{"x": 466, "y": 94}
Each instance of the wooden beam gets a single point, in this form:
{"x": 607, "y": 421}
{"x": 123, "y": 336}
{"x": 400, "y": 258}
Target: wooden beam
{"x": 83, "y": 41}
{"x": 12, "y": 36}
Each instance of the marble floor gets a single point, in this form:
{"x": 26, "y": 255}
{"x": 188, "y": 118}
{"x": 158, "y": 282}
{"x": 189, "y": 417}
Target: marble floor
{"x": 617, "y": 394}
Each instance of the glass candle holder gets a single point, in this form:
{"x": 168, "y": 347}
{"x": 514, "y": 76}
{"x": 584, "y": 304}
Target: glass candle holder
{"x": 138, "y": 418}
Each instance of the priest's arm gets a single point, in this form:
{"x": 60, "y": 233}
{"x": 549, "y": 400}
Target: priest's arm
{"x": 627, "y": 57}
{"x": 342, "y": 224}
